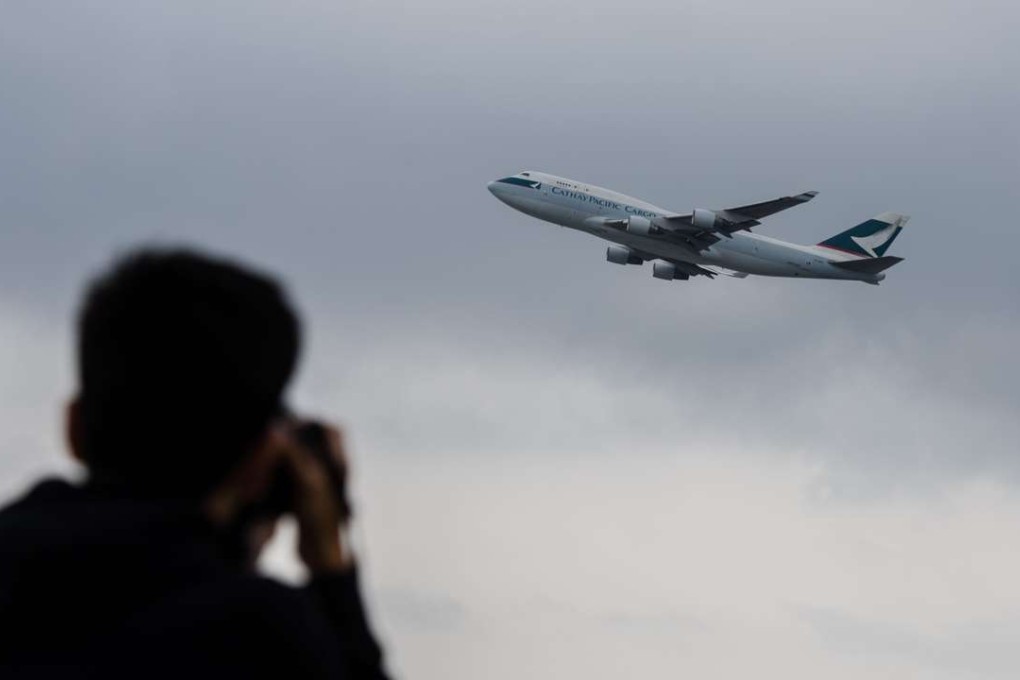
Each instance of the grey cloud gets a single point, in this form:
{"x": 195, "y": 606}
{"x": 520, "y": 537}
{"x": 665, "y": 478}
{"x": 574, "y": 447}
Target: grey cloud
{"x": 415, "y": 609}
{"x": 319, "y": 142}
{"x": 35, "y": 367}
{"x": 889, "y": 406}
{"x": 985, "y": 649}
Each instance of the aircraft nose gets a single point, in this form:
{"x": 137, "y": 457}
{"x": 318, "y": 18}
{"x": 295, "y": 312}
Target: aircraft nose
{"x": 501, "y": 190}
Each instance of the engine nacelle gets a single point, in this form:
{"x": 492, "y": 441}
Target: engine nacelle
{"x": 639, "y": 226}
{"x": 664, "y": 270}
{"x": 668, "y": 271}
{"x": 704, "y": 219}
{"x": 621, "y": 255}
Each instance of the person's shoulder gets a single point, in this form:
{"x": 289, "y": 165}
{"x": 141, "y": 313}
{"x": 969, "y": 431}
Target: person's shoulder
{"x": 268, "y": 593}
{"x": 233, "y": 605}
{"x": 256, "y": 603}
{"x": 45, "y": 490}
{"x": 243, "y": 624}
{"x": 248, "y": 592}
{"x": 45, "y": 493}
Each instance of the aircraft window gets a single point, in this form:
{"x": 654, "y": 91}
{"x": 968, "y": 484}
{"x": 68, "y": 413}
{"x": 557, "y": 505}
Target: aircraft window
{"x": 530, "y": 183}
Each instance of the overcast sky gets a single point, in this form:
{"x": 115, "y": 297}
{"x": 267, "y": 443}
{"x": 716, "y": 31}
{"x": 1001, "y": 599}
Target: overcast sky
{"x": 567, "y": 468}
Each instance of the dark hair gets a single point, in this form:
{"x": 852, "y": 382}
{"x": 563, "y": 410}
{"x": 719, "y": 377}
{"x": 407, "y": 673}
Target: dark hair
{"x": 183, "y": 359}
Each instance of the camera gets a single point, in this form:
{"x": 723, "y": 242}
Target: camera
{"x": 314, "y": 440}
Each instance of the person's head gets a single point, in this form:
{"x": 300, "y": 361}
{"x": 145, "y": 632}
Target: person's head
{"x": 182, "y": 359}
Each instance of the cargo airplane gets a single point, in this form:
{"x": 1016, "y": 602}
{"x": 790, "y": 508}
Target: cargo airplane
{"x": 702, "y": 242}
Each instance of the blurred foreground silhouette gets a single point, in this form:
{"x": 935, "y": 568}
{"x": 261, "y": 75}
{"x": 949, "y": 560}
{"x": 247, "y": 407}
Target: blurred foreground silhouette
{"x": 146, "y": 570}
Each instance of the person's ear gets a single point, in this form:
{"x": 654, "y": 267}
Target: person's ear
{"x": 73, "y": 429}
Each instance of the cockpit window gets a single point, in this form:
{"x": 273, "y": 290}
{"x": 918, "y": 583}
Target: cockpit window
{"x": 530, "y": 183}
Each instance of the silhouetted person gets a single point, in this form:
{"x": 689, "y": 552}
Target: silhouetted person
{"x": 146, "y": 570}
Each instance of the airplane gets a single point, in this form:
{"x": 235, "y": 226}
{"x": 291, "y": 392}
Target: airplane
{"x": 702, "y": 242}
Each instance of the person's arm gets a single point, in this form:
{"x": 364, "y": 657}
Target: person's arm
{"x": 321, "y": 546}
{"x": 338, "y": 596}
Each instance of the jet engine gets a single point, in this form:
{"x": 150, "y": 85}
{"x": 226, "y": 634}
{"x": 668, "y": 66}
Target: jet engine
{"x": 667, "y": 271}
{"x": 664, "y": 270}
{"x": 640, "y": 226}
{"x": 705, "y": 219}
{"x": 621, "y": 255}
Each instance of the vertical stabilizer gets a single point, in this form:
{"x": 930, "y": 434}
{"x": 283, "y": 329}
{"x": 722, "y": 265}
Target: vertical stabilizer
{"x": 871, "y": 238}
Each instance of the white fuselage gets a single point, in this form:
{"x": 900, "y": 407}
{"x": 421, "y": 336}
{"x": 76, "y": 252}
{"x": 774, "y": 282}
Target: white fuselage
{"x": 585, "y": 207}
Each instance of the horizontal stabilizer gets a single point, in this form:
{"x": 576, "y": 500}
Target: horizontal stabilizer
{"x": 871, "y": 265}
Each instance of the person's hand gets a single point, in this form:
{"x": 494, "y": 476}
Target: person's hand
{"x": 320, "y": 518}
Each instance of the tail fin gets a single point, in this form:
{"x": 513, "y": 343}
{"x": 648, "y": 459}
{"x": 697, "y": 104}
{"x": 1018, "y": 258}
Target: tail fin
{"x": 871, "y": 238}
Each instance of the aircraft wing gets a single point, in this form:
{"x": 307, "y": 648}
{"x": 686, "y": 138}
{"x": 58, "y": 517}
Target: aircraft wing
{"x": 702, "y": 228}
{"x": 757, "y": 211}
{"x": 687, "y": 267}
{"x": 693, "y": 269}
{"x": 716, "y": 269}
